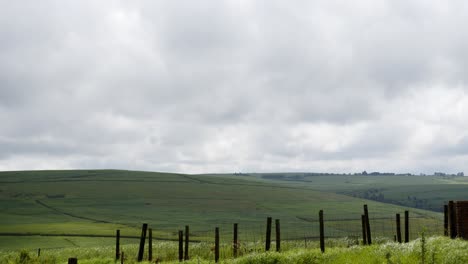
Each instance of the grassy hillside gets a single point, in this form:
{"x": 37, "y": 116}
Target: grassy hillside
{"x": 424, "y": 192}
{"x": 99, "y": 202}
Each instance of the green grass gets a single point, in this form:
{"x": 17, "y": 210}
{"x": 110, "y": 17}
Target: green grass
{"x": 431, "y": 250}
{"x": 425, "y": 192}
{"x": 99, "y": 202}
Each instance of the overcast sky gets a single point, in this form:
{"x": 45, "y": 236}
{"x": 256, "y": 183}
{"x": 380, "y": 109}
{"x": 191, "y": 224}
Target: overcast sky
{"x": 234, "y": 86}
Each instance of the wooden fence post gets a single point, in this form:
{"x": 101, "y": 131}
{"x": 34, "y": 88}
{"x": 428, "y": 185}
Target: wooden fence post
{"x": 278, "y": 235}
{"x": 141, "y": 250}
{"x": 186, "y": 253}
{"x": 150, "y": 244}
{"x": 368, "y": 231}
{"x": 235, "y": 242}
{"x": 446, "y": 220}
{"x": 363, "y": 223}
{"x": 122, "y": 258}
{"x": 181, "y": 245}
{"x": 268, "y": 235}
{"x": 406, "y": 226}
{"x": 398, "y": 228}
{"x": 322, "y": 235}
{"x": 452, "y": 220}
{"x": 117, "y": 244}
{"x": 72, "y": 261}
{"x": 216, "y": 244}
{"x": 39, "y": 252}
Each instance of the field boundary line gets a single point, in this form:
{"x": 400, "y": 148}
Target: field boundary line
{"x": 71, "y": 215}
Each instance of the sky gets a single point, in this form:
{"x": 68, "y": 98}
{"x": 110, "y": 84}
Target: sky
{"x": 234, "y": 86}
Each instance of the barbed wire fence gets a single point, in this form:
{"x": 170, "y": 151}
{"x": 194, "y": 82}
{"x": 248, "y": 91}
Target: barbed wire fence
{"x": 297, "y": 232}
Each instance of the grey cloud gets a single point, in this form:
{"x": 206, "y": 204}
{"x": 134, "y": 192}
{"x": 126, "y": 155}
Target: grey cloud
{"x": 458, "y": 148}
{"x": 220, "y": 85}
{"x": 15, "y": 147}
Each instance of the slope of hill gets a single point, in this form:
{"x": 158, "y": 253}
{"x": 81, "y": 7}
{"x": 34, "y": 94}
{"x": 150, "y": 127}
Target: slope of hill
{"x": 423, "y": 192}
{"x": 100, "y": 201}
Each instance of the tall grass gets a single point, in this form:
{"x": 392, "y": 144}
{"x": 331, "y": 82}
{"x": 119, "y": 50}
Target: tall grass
{"x": 422, "y": 250}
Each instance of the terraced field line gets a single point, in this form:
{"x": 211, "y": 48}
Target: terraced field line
{"x": 71, "y": 215}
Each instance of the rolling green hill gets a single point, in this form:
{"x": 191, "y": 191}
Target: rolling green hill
{"x": 83, "y": 202}
{"x": 423, "y": 192}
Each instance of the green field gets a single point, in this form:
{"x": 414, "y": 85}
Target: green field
{"x": 83, "y": 202}
{"x": 423, "y": 192}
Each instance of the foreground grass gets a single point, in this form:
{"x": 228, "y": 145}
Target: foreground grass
{"x": 430, "y": 250}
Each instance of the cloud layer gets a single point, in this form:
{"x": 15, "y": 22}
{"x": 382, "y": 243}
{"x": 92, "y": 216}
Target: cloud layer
{"x": 224, "y": 86}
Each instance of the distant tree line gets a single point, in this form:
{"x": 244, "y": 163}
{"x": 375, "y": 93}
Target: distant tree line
{"x": 441, "y": 174}
{"x": 370, "y": 194}
{"x": 411, "y": 201}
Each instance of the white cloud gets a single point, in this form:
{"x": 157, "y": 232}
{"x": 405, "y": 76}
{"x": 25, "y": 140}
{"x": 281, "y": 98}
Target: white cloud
{"x": 222, "y": 86}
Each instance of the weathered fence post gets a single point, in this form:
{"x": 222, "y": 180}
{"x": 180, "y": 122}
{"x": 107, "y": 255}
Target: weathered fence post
{"x": 452, "y": 219}
{"x": 268, "y": 235}
{"x": 322, "y": 235}
{"x": 278, "y": 235}
{"x": 363, "y": 223}
{"x": 216, "y": 244}
{"x": 72, "y": 261}
{"x": 141, "y": 250}
{"x": 38, "y": 252}
{"x": 406, "y": 226}
{"x": 398, "y": 228}
{"x": 150, "y": 244}
{"x": 181, "y": 245}
{"x": 235, "y": 242}
{"x": 446, "y": 220}
{"x": 461, "y": 217}
{"x": 122, "y": 258}
{"x": 368, "y": 231}
{"x": 117, "y": 244}
{"x": 186, "y": 249}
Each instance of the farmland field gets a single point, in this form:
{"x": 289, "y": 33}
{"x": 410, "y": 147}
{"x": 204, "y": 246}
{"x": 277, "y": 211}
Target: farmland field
{"x": 424, "y": 192}
{"x": 71, "y": 206}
